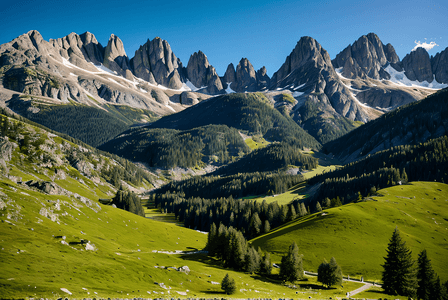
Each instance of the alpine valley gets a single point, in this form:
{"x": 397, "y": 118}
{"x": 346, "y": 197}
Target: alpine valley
{"x": 142, "y": 177}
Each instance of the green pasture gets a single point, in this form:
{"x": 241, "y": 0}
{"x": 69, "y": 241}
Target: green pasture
{"x": 357, "y": 234}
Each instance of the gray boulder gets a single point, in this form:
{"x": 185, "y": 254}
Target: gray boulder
{"x": 417, "y": 65}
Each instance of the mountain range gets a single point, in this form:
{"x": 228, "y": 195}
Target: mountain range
{"x": 325, "y": 96}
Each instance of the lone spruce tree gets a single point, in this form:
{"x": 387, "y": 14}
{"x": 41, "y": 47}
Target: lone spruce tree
{"x": 228, "y": 285}
{"x": 399, "y": 273}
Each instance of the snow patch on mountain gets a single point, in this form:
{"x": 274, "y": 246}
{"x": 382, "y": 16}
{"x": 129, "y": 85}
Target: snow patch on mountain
{"x": 401, "y": 79}
{"x": 228, "y": 89}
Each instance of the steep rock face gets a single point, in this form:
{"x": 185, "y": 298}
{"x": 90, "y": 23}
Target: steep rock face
{"x": 229, "y": 75}
{"x": 202, "y": 74}
{"x": 263, "y": 79}
{"x": 417, "y": 65}
{"x": 246, "y": 77}
{"x": 80, "y": 50}
{"x": 439, "y": 66}
{"x": 156, "y": 63}
{"x": 115, "y": 57}
{"x": 366, "y": 58}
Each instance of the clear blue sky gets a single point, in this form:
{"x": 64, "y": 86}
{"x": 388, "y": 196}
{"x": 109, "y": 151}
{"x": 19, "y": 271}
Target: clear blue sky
{"x": 263, "y": 31}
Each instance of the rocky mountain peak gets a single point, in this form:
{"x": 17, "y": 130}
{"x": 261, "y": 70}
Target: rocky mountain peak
{"x": 439, "y": 66}
{"x": 202, "y": 74}
{"x": 229, "y": 75}
{"x": 417, "y": 65}
{"x": 366, "y": 58}
{"x": 115, "y": 57}
{"x": 307, "y": 51}
{"x": 156, "y": 63}
{"x": 263, "y": 78}
{"x": 245, "y": 77}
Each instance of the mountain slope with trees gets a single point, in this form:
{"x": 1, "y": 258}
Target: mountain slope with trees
{"x": 413, "y": 123}
{"x": 250, "y": 112}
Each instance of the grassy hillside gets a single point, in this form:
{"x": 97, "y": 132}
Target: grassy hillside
{"x": 357, "y": 234}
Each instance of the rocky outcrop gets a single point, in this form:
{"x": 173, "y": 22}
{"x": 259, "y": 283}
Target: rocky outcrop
{"x": 367, "y": 57}
{"x": 439, "y": 66}
{"x": 245, "y": 77}
{"x": 156, "y": 63}
{"x": 115, "y": 57}
{"x": 6, "y": 148}
{"x": 188, "y": 98}
{"x": 201, "y": 74}
{"x": 417, "y": 65}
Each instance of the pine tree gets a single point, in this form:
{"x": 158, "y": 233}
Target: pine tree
{"x": 212, "y": 240}
{"x": 425, "y": 276}
{"x": 228, "y": 285}
{"x": 266, "y": 266}
{"x": 399, "y": 276}
{"x": 291, "y": 268}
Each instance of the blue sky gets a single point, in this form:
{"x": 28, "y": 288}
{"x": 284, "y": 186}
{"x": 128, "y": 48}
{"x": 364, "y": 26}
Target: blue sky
{"x": 263, "y": 31}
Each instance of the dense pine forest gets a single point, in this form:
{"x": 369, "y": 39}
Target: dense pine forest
{"x": 92, "y": 125}
{"x": 278, "y": 156}
{"x": 169, "y": 148}
{"x": 251, "y": 112}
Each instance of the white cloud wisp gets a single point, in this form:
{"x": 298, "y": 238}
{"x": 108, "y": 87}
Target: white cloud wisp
{"x": 424, "y": 45}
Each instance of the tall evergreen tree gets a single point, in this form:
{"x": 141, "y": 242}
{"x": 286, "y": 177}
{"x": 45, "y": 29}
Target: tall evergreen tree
{"x": 291, "y": 268}
{"x": 399, "y": 274}
{"x": 266, "y": 266}
{"x": 425, "y": 276}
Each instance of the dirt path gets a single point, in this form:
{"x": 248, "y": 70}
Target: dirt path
{"x": 367, "y": 285}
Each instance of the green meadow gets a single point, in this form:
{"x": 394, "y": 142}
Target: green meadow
{"x": 357, "y": 234}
